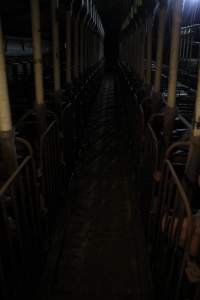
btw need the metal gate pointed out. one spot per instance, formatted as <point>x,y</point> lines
<point>20,233</point>
<point>172,236</point>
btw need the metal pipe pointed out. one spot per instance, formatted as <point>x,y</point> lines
<point>76,47</point>
<point>85,49</point>
<point>196,130</point>
<point>149,49</point>
<point>160,45</point>
<point>134,50</point>
<point>174,55</point>
<point>184,46</point>
<point>56,47</point>
<point>181,47</point>
<point>138,53</point>
<point>82,25</point>
<point>7,147</point>
<point>5,113</point>
<point>173,70</point>
<point>191,45</point>
<point>188,47</point>
<point>68,47</point>
<point>142,66</point>
<point>37,52</point>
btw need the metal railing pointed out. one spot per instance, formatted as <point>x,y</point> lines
<point>50,171</point>
<point>171,234</point>
<point>147,179</point>
<point>68,142</point>
<point>20,234</point>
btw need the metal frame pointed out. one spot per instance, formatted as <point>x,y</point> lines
<point>21,242</point>
<point>147,178</point>
<point>172,234</point>
<point>50,171</point>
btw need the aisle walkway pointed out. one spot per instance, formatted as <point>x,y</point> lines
<point>103,255</point>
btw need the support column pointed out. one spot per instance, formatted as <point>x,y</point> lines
<point>173,70</point>
<point>7,148</point>
<point>56,48</point>
<point>68,48</point>
<point>160,45</point>
<point>149,50</point>
<point>37,53</point>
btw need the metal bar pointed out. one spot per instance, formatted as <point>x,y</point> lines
<point>149,49</point>
<point>56,47</point>
<point>37,52</point>
<point>173,68</point>
<point>68,47</point>
<point>5,112</point>
<point>160,45</point>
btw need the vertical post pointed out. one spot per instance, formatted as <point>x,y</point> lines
<point>196,131</point>
<point>191,44</point>
<point>92,48</point>
<point>131,47</point>
<point>173,70</point>
<point>138,53</point>
<point>7,148</point>
<point>143,33</point>
<point>56,47</point>
<point>134,49</point>
<point>181,46</point>
<point>188,47</point>
<point>37,53</point>
<point>149,50</point>
<point>68,47</point>
<point>184,46</point>
<point>76,47</point>
<point>89,48</point>
<point>85,49</point>
<point>82,48</point>
<point>193,162</point>
<point>160,44</point>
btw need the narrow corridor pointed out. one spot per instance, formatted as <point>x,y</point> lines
<point>103,254</point>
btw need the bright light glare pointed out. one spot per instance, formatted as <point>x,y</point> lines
<point>190,1</point>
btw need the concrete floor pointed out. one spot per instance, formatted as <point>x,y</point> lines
<point>103,253</point>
